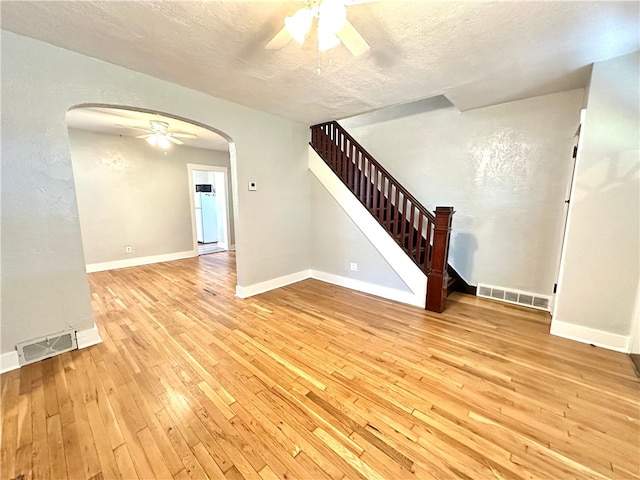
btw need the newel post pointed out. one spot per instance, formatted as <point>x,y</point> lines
<point>436,283</point>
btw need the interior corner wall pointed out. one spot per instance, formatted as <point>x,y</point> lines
<point>44,284</point>
<point>634,336</point>
<point>130,193</point>
<point>336,242</point>
<point>504,169</point>
<point>601,265</point>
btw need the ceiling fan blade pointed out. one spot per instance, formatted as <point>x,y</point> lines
<point>145,136</point>
<point>353,40</point>
<point>174,140</point>
<point>183,135</point>
<point>280,40</point>
<point>132,127</point>
<point>349,3</point>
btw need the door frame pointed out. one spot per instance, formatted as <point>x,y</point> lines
<point>192,204</point>
<point>567,211</point>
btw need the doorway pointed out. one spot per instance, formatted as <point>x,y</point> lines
<point>210,208</point>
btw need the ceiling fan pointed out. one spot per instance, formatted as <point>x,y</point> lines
<point>332,24</point>
<point>158,134</point>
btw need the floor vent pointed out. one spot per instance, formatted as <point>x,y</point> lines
<point>518,297</point>
<point>46,347</point>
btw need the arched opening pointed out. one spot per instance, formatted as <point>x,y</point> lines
<point>134,177</point>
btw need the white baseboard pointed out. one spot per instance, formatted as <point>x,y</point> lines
<point>359,285</point>
<point>88,337</point>
<point>256,288</point>
<point>370,288</point>
<point>137,261</point>
<point>9,361</point>
<point>600,338</point>
<point>85,338</point>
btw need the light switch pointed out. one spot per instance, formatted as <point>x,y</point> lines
<point>253,187</point>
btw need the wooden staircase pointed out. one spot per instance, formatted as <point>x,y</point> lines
<point>423,235</point>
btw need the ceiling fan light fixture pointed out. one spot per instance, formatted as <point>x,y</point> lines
<point>332,15</point>
<point>298,24</point>
<point>159,139</point>
<point>333,27</point>
<point>327,40</point>
<point>163,141</point>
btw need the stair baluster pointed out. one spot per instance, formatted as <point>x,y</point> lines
<point>411,225</point>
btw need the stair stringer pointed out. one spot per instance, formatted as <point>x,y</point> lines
<point>408,271</point>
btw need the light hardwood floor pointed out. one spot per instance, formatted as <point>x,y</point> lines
<point>315,381</point>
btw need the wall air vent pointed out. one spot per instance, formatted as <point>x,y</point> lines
<point>46,347</point>
<point>517,297</point>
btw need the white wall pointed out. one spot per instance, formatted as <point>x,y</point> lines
<point>130,193</point>
<point>634,336</point>
<point>503,168</point>
<point>201,177</point>
<point>601,265</point>
<point>337,242</point>
<point>44,285</point>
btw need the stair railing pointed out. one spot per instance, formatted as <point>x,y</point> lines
<point>424,236</point>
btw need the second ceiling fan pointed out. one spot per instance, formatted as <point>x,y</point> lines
<point>332,23</point>
<point>158,134</point>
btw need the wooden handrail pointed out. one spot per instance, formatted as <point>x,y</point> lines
<point>422,235</point>
<point>380,168</point>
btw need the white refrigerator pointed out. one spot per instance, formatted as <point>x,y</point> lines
<point>206,217</point>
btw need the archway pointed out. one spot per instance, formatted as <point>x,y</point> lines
<point>143,198</point>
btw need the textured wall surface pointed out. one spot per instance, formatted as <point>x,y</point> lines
<point>130,193</point>
<point>503,168</point>
<point>601,268</point>
<point>337,241</point>
<point>44,285</point>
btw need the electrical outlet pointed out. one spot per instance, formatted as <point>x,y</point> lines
<point>354,267</point>
<point>128,249</point>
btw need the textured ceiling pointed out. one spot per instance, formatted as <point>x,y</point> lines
<point>475,53</point>
<point>115,121</point>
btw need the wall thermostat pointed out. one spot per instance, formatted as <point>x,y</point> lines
<point>253,187</point>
